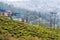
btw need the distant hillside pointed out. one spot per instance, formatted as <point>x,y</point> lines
<point>16,30</point>
<point>33,15</point>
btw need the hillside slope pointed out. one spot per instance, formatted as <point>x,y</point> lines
<point>23,31</point>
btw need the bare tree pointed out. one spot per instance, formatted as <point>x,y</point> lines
<point>27,17</point>
<point>39,18</point>
<point>52,19</point>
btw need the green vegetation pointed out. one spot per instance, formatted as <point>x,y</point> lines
<point>15,30</point>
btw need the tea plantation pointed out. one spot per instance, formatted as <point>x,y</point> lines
<point>16,30</point>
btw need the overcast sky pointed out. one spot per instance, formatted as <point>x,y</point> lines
<point>45,5</point>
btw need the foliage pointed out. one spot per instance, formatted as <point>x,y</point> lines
<point>23,31</point>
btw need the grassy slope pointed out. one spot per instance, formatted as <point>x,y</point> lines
<point>24,31</point>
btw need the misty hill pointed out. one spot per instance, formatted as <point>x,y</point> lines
<point>33,15</point>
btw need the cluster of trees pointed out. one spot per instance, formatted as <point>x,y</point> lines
<point>24,31</point>
<point>49,18</point>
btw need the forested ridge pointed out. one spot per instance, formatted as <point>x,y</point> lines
<point>16,30</point>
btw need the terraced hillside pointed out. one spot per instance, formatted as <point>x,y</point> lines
<point>15,30</point>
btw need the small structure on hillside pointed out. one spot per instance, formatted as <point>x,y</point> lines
<point>10,15</point>
<point>5,13</point>
<point>16,16</point>
<point>2,12</point>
